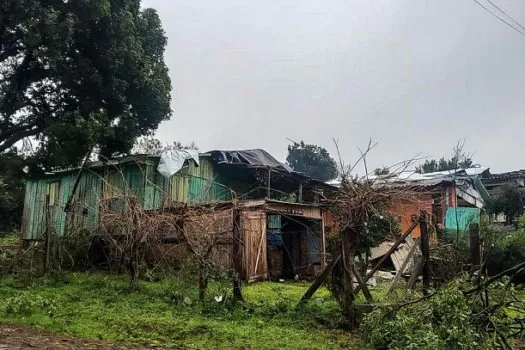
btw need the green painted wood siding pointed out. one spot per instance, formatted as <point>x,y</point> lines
<point>193,184</point>
<point>38,217</point>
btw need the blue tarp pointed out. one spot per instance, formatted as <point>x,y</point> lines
<point>274,237</point>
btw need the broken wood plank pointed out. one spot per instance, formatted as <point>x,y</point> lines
<point>362,283</point>
<point>318,282</point>
<point>390,251</point>
<point>401,270</point>
<point>416,272</point>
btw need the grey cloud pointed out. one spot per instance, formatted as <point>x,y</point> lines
<point>414,75</point>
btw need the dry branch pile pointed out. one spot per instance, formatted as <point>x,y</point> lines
<point>134,235</point>
<point>356,201</point>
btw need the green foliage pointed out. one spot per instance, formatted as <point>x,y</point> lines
<point>25,304</point>
<point>510,201</point>
<point>312,160</point>
<point>451,254</point>
<point>506,252</point>
<point>152,145</point>
<point>446,320</point>
<point>77,74</point>
<point>167,313</point>
<point>377,228</point>
<point>458,160</point>
<point>12,192</point>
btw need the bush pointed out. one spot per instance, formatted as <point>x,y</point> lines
<point>27,304</point>
<point>506,253</point>
<point>449,257</point>
<point>447,320</point>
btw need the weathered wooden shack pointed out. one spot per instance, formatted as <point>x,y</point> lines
<point>282,222</point>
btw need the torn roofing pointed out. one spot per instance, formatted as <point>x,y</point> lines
<point>256,158</point>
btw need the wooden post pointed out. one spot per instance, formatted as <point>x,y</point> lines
<point>47,257</point>
<point>350,237</point>
<point>268,187</point>
<point>323,242</point>
<point>318,282</point>
<point>475,251</point>
<point>237,256</point>
<point>67,207</point>
<point>300,197</point>
<point>425,251</point>
<point>362,283</point>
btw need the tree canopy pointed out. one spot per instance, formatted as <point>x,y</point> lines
<point>312,160</point>
<point>11,191</point>
<point>153,146</point>
<point>509,201</point>
<point>458,160</point>
<point>80,74</point>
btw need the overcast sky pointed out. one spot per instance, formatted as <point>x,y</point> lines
<point>414,75</point>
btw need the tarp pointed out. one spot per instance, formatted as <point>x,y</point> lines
<point>274,237</point>
<point>461,217</point>
<point>254,157</point>
<point>171,161</point>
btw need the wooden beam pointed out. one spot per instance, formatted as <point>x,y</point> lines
<point>401,270</point>
<point>323,242</point>
<point>237,255</point>
<point>47,256</point>
<point>475,252</point>
<point>416,271</point>
<point>425,251</point>
<point>362,283</point>
<point>318,282</point>
<point>67,206</point>
<point>387,255</point>
<point>268,187</point>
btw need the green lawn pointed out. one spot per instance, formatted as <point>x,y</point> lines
<point>166,312</point>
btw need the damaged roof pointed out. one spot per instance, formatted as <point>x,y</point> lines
<point>257,158</point>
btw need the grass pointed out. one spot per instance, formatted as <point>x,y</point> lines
<point>166,312</point>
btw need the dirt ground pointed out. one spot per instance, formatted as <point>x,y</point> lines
<point>24,338</point>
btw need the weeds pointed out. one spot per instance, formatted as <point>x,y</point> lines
<point>168,312</point>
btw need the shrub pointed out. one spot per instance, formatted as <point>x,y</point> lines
<point>506,253</point>
<point>449,319</point>
<point>27,304</point>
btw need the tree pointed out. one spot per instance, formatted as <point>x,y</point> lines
<point>510,201</point>
<point>459,160</point>
<point>79,74</point>
<point>312,160</point>
<point>153,146</point>
<point>11,191</point>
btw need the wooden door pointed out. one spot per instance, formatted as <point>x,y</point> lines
<point>254,232</point>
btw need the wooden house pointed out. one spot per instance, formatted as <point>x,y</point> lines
<point>281,222</point>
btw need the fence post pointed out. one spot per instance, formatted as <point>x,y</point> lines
<point>425,251</point>
<point>475,251</point>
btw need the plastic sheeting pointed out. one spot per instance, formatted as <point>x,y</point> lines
<point>254,157</point>
<point>274,237</point>
<point>172,161</point>
<point>461,217</point>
